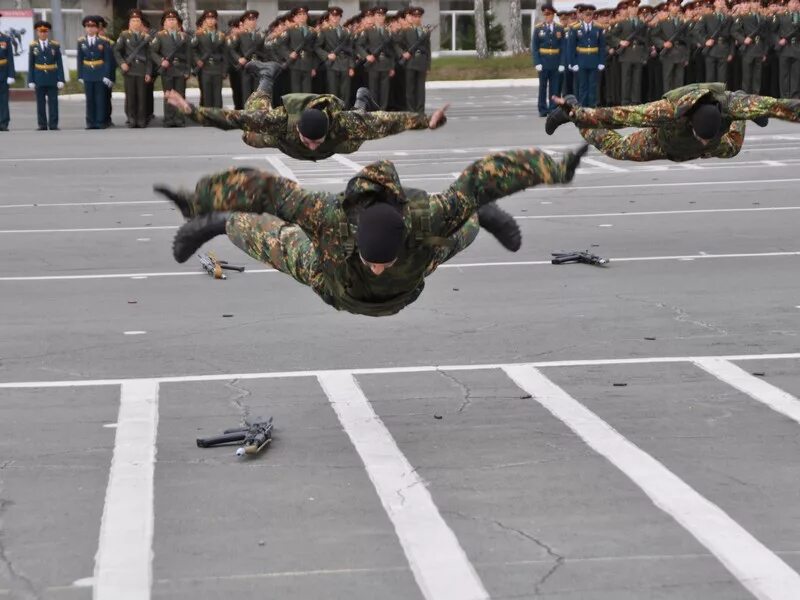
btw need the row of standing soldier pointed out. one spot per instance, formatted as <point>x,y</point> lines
<point>636,53</point>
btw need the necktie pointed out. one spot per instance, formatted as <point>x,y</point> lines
<point>172,33</point>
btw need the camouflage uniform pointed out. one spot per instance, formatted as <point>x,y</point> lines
<point>668,134</point>
<point>267,127</point>
<point>310,235</point>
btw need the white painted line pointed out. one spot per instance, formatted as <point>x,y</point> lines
<point>134,332</point>
<point>759,570</point>
<point>522,263</point>
<point>734,182</point>
<point>280,166</point>
<point>604,166</point>
<point>773,163</point>
<point>81,204</point>
<point>438,562</point>
<point>605,225</point>
<point>142,239</point>
<point>123,563</point>
<point>647,213</point>
<point>690,166</point>
<point>350,164</point>
<point>88,230</point>
<point>400,153</point>
<point>146,215</point>
<point>756,388</point>
<point>394,370</point>
<point>162,157</point>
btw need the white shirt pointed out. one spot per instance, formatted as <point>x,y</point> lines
<point>43,44</point>
<point>90,41</point>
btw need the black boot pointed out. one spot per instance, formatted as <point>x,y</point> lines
<point>501,225</point>
<point>572,160</point>
<point>364,100</point>
<point>181,199</point>
<point>760,121</point>
<point>197,232</point>
<point>266,73</point>
<point>560,115</point>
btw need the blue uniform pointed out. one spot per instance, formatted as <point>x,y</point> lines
<point>6,71</point>
<point>588,52</point>
<point>45,71</point>
<point>94,65</point>
<point>112,77</point>
<point>548,49</point>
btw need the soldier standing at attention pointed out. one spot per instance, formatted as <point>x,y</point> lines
<point>547,47</point>
<point>171,51</point>
<point>414,49</point>
<point>297,46</point>
<point>102,24</point>
<point>246,45</point>
<point>94,72</point>
<point>209,49</point>
<point>233,67</point>
<point>7,77</point>
<point>376,49</point>
<point>789,50</point>
<point>45,75</point>
<point>588,54</point>
<point>714,32</point>
<point>335,50</point>
<point>132,52</point>
<point>671,38</point>
<point>631,37</point>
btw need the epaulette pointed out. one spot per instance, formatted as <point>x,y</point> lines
<point>35,43</point>
<point>82,39</point>
<point>106,38</point>
<point>54,42</point>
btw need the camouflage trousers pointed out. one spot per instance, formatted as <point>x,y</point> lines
<point>258,100</point>
<point>289,250</point>
<point>645,144</point>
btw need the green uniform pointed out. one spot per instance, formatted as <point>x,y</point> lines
<point>311,235</point>
<point>175,48</point>
<point>417,42</point>
<point>674,59</point>
<point>752,55</point>
<point>267,127</point>
<point>377,42</point>
<point>209,50</point>
<point>631,59</point>
<point>302,40</point>
<point>667,132</point>
<point>133,49</point>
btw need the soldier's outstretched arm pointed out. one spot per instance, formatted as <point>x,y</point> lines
<point>264,121</point>
<point>652,114</point>
<point>498,175</point>
<point>743,106</point>
<point>252,191</point>
<point>364,126</point>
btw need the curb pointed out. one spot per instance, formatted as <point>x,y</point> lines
<point>194,93</point>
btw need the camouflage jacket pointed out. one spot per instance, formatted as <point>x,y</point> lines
<point>277,126</point>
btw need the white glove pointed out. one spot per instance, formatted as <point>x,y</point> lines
<point>574,68</point>
<point>601,67</point>
<point>107,82</point>
<point>560,68</point>
<point>10,80</point>
<point>538,68</point>
<point>60,85</point>
<point>80,81</point>
<point>32,86</point>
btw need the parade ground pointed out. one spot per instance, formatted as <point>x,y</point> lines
<point>523,430</point>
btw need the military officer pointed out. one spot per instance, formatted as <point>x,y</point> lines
<point>671,39</point>
<point>700,120</point>
<point>588,51</point>
<point>547,48</point>
<point>789,50</point>
<point>567,20</point>
<point>102,24</point>
<point>297,47</point>
<point>413,47</point>
<point>233,67</point>
<point>247,45</point>
<point>209,50</point>
<point>368,250</point>
<point>714,32</point>
<point>132,54</point>
<point>7,78</point>
<point>630,36</point>
<point>45,75</point>
<point>375,48</point>
<point>751,31</point>
<point>94,72</point>
<point>335,50</point>
<point>171,50</point>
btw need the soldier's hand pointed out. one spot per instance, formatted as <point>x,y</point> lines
<point>730,58</point>
<point>60,85</point>
<point>538,68</point>
<point>165,63</point>
<point>370,58</point>
<point>173,98</point>
<point>574,68</point>
<point>391,72</point>
<point>601,67</point>
<point>124,67</point>
<point>32,86</point>
<point>782,42</point>
<point>611,51</point>
<point>80,81</point>
<point>709,43</point>
<point>313,72</point>
<point>351,72</point>
<point>242,61</point>
<point>331,56</point>
<point>199,64</point>
<point>667,44</point>
<point>293,55</point>
<point>748,41</point>
<point>561,68</point>
<point>439,118</point>
<point>10,80</point>
<point>624,43</point>
<point>406,56</point>
<point>147,79</point>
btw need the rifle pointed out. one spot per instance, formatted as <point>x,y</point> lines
<point>795,33</point>
<point>714,36</point>
<point>214,267</point>
<point>672,38</point>
<point>341,46</point>
<point>585,257</point>
<point>416,45</point>
<point>135,52</point>
<point>753,34</point>
<point>254,437</point>
<point>203,59</point>
<point>384,46</point>
<point>171,56</point>
<point>301,47</point>
<point>621,50</point>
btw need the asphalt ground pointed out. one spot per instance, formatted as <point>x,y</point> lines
<point>522,431</point>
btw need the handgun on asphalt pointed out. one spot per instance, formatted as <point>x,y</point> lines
<point>253,438</point>
<point>214,267</point>
<point>559,258</point>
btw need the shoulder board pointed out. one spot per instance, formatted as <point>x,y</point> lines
<point>162,31</point>
<point>221,35</point>
<point>54,42</point>
<point>106,38</point>
<point>35,43</point>
<point>82,39</point>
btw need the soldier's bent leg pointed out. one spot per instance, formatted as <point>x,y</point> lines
<point>258,100</point>
<point>747,106</point>
<point>282,245</point>
<point>240,189</point>
<point>460,241</point>
<point>640,146</point>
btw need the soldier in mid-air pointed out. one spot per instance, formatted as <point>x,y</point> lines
<point>307,126</point>
<point>701,120</point>
<point>366,251</point>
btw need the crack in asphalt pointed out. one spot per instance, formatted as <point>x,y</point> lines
<point>465,390</point>
<point>22,588</point>
<point>244,410</point>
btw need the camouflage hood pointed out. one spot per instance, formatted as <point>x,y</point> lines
<point>378,179</point>
<point>685,98</point>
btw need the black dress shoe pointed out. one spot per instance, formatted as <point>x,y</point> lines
<point>41,128</point>
<point>572,160</point>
